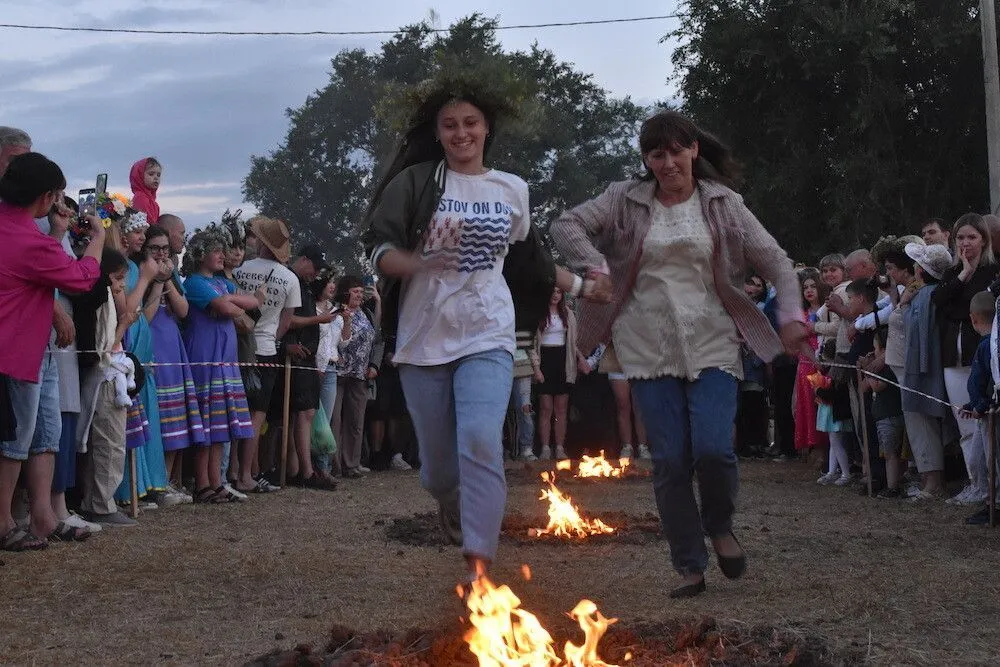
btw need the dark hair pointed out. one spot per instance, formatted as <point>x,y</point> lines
<point>28,177</point>
<point>868,289</point>
<point>942,225</point>
<point>900,260</point>
<point>155,232</point>
<point>983,304</point>
<point>317,286</point>
<point>420,144</point>
<point>672,130</point>
<point>344,287</point>
<point>752,278</point>
<point>112,261</point>
<point>822,289</point>
<point>563,309</point>
<point>151,162</point>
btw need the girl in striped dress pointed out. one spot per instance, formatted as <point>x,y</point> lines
<point>210,336</point>
<point>180,415</point>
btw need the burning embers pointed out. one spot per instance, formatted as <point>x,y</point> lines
<point>596,467</point>
<point>564,518</point>
<point>501,634</point>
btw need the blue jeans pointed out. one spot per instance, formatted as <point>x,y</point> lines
<point>458,410</point>
<point>520,396</point>
<point>690,427</point>
<point>327,399</point>
<point>36,408</point>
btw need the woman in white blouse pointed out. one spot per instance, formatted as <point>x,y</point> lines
<point>556,363</point>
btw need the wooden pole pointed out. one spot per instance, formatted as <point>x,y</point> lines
<point>991,76</point>
<point>134,484</point>
<point>865,445</point>
<point>991,461</point>
<point>286,411</point>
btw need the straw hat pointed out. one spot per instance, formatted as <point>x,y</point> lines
<point>273,234</point>
<point>934,259</point>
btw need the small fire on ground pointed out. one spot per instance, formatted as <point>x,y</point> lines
<point>596,466</point>
<point>564,518</point>
<point>504,635</point>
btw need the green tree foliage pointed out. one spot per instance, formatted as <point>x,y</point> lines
<point>570,140</point>
<point>854,118</point>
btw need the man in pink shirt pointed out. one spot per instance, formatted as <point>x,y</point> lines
<point>32,266</point>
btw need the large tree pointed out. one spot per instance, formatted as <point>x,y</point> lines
<point>854,118</point>
<point>571,140</point>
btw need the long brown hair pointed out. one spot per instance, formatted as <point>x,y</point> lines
<point>563,311</point>
<point>670,130</point>
<point>809,273</point>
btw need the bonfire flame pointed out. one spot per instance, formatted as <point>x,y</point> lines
<point>564,517</point>
<point>598,466</point>
<point>503,635</point>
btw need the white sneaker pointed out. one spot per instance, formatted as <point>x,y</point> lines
<point>644,452</point>
<point>912,490</point>
<point>627,452</point>
<point>184,496</point>
<point>363,470</point>
<point>844,480</point>
<point>976,497</point>
<point>527,454</point>
<point>962,497</point>
<point>923,495</point>
<point>828,478</point>
<point>399,464</point>
<point>233,490</point>
<point>77,521</point>
<point>559,453</point>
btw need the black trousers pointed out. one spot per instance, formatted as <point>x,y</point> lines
<point>783,387</point>
<point>751,422</point>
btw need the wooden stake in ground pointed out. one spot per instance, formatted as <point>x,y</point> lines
<point>991,461</point>
<point>284,416</point>
<point>134,485</point>
<point>863,415</point>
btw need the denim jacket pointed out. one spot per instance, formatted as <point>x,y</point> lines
<point>980,379</point>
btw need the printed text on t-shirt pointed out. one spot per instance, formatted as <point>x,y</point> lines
<point>471,235</point>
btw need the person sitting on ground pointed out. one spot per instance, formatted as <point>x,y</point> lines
<point>982,311</point>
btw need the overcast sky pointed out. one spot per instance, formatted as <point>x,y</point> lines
<point>204,105</point>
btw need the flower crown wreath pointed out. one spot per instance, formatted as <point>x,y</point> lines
<point>136,221</point>
<point>111,207</point>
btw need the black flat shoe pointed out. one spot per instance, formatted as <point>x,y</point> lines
<point>688,591</point>
<point>732,566</point>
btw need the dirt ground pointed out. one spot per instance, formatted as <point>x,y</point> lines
<point>885,581</point>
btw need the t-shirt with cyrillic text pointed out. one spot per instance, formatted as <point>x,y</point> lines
<point>282,287</point>
<point>466,309</point>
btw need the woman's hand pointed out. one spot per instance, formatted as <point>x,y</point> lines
<point>403,264</point>
<point>149,269</point>
<point>582,365</point>
<point>597,288</point>
<point>967,268</point>
<point>260,295</point>
<point>539,378</point>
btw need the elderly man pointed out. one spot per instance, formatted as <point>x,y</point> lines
<point>13,142</point>
<point>175,233</point>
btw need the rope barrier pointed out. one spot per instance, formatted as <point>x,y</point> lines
<point>157,364</point>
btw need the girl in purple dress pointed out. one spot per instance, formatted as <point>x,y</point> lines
<point>210,336</point>
<point>165,304</point>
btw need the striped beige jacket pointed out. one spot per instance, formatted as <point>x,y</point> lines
<point>612,228</point>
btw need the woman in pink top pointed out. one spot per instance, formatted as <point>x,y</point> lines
<point>145,181</point>
<point>32,266</point>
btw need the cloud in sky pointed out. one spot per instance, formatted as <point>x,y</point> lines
<point>204,105</point>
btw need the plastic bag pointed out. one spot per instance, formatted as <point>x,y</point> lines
<point>322,438</point>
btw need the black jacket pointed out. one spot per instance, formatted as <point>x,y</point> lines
<point>952,299</point>
<point>400,218</point>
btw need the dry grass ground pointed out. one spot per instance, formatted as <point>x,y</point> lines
<point>889,581</point>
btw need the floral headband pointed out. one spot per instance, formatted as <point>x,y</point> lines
<point>135,222</point>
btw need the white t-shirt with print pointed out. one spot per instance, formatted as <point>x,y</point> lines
<point>450,314</point>
<point>282,287</point>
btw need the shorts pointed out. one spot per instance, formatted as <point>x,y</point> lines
<point>553,365</point>
<point>306,385</point>
<point>260,399</point>
<point>890,435</point>
<point>36,410</point>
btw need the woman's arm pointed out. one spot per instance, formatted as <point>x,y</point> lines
<point>152,303</point>
<point>576,230</point>
<point>178,302</point>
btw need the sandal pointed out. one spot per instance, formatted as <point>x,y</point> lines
<point>319,482</point>
<point>204,496</point>
<point>67,533</point>
<point>22,539</point>
<point>224,495</point>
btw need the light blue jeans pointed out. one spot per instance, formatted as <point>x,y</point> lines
<point>36,408</point>
<point>327,399</point>
<point>458,410</point>
<point>520,396</point>
<point>690,427</point>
